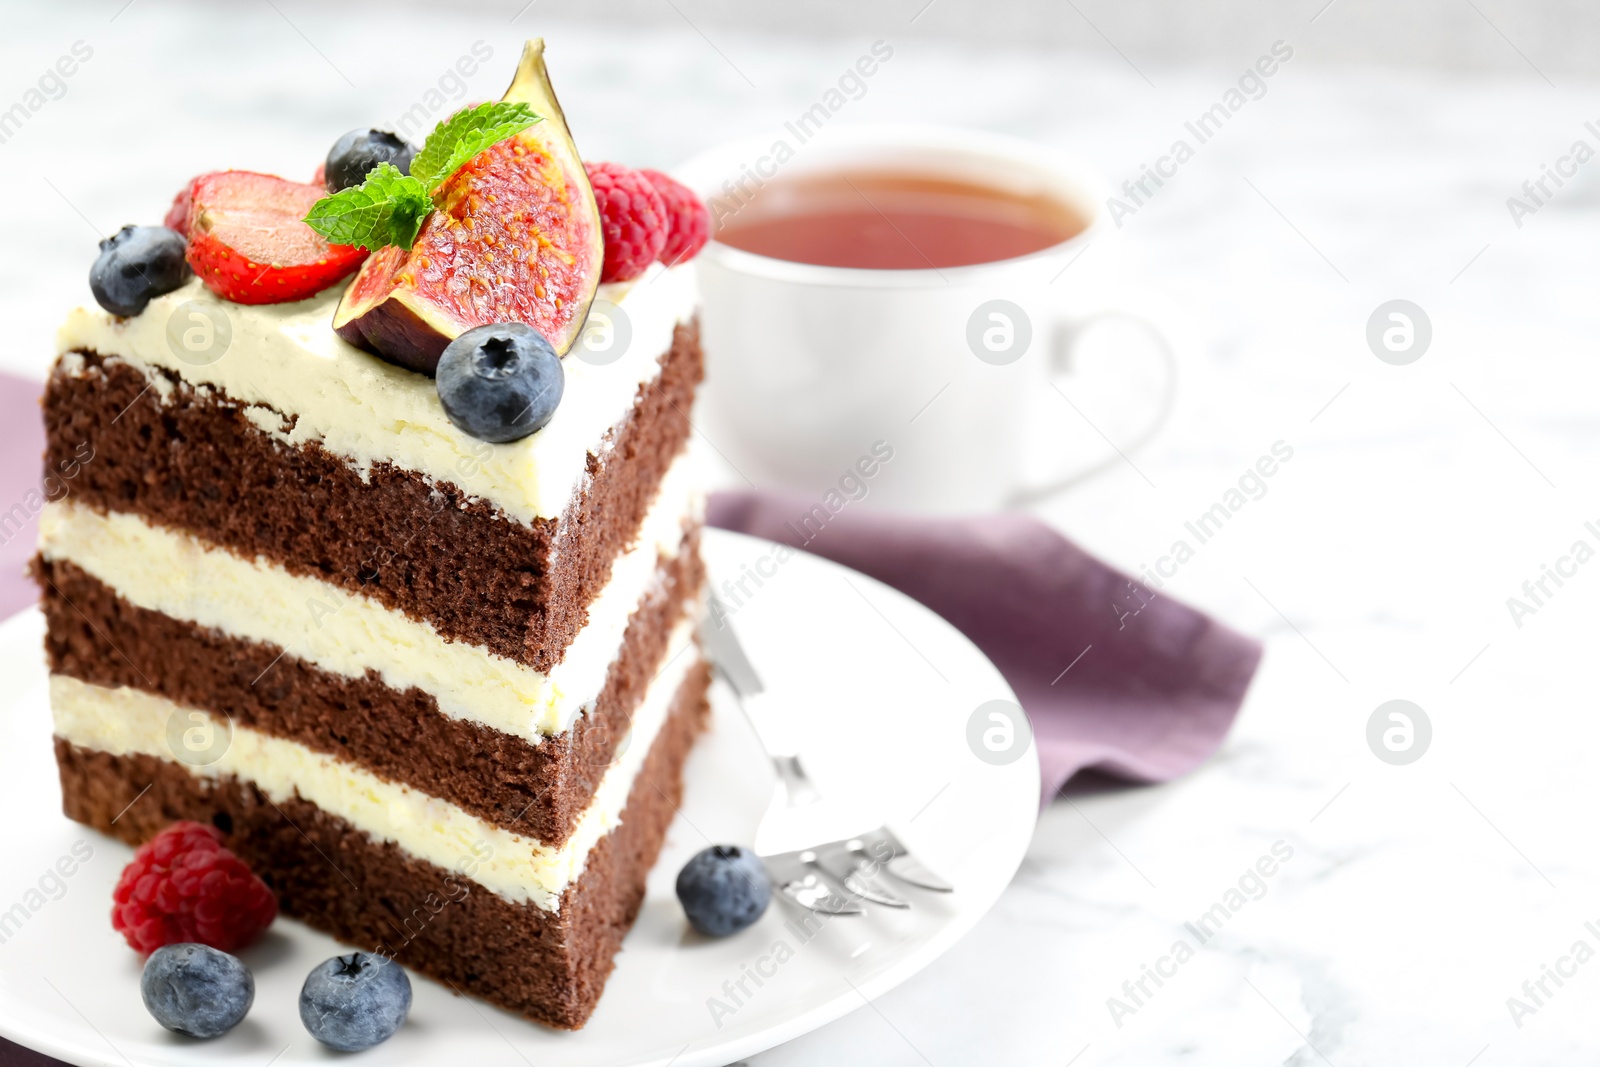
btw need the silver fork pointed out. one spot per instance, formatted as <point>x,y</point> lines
<point>814,849</point>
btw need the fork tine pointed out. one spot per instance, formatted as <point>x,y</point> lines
<point>812,893</point>
<point>900,862</point>
<point>908,868</point>
<point>856,873</point>
<point>802,883</point>
<point>851,863</point>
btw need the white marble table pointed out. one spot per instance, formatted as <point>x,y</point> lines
<point>1418,898</point>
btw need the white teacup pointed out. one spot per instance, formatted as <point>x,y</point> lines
<point>964,376</point>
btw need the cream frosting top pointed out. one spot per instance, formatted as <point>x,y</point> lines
<point>303,383</point>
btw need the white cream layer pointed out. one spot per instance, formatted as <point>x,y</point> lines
<point>129,721</point>
<point>347,633</point>
<point>286,361</point>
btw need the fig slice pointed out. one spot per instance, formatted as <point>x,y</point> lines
<point>516,237</point>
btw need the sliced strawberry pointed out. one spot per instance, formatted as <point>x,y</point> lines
<point>178,214</point>
<point>249,243</point>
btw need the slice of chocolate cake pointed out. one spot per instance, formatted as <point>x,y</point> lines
<point>436,691</point>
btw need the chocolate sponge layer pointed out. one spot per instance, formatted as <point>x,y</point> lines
<point>550,967</point>
<point>537,790</point>
<point>190,460</point>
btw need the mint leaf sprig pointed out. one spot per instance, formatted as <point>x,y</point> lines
<point>465,134</point>
<point>386,209</point>
<point>389,208</point>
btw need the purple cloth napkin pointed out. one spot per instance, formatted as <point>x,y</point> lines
<point>17,1056</point>
<point>21,464</point>
<point>1114,677</point>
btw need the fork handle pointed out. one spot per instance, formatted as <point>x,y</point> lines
<point>772,725</point>
<point>797,787</point>
<point>777,738</point>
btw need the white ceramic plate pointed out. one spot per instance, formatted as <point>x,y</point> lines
<point>886,688</point>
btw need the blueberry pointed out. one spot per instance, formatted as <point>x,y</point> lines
<point>135,264</point>
<point>723,890</point>
<point>355,154</point>
<point>196,990</point>
<point>356,1001</point>
<point>500,382</point>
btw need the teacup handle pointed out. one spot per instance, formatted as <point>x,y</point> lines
<point>1069,331</point>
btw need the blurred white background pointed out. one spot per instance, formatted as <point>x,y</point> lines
<point>1378,166</point>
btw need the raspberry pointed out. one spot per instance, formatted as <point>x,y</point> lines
<point>633,218</point>
<point>183,886</point>
<point>688,221</point>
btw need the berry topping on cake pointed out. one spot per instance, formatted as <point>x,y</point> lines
<point>196,990</point>
<point>688,221</point>
<point>178,214</point>
<point>634,216</point>
<point>495,223</point>
<point>184,886</point>
<point>249,244</point>
<point>358,153</point>
<point>500,383</point>
<point>136,264</point>
<point>723,890</point>
<point>353,1002</point>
